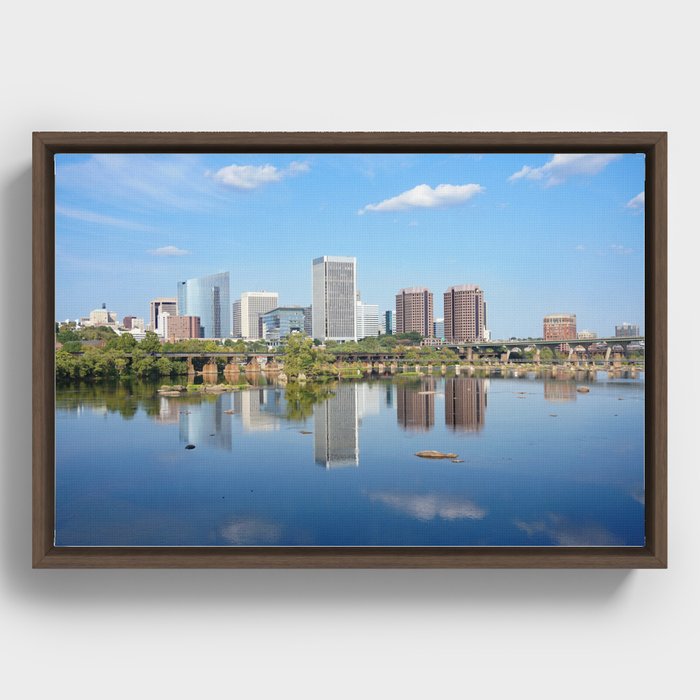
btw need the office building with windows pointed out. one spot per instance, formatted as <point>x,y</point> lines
<point>560,327</point>
<point>334,289</point>
<point>180,327</point>
<point>627,330</point>
<point>367,320</point>
<point>282,321</point>
<point>248,310</point>
<point>207,297</point>
<point>388,323</point>
<point>465,313</point>
<point>439,328</point>
<point>160,306</point>
<point>414,311</point>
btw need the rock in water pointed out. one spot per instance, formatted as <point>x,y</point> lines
<point>435,454</point>
<point>582,389</point>
<point>189,447</point>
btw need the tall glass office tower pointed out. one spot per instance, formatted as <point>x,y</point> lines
<point>207,297</point>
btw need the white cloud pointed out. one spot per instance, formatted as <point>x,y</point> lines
<point>637,202</point>
<point>424,196</point>
<point>253,531</point>
<point>94,218</point>
<point>431,506</point>
<point>248,177</point>
<point>580,248</point>
<point>621,250</point>
<point>567,534</point>
<point>563,165</point>
<point>138,182</point>
<point>169,251</point>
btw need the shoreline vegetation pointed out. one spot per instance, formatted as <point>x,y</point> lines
<point>95,354</point>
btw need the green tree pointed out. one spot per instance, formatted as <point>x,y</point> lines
<point>151,343</point>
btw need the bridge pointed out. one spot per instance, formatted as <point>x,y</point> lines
<point>504,350</point>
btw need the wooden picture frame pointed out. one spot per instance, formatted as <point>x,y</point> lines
<point>652,555</point>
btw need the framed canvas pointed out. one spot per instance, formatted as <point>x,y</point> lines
<point>349,350</point>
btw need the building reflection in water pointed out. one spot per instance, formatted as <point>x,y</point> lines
<point>168,410</point>
<point>465,403</point>
<point>336,428</point>
<point>206,423</point>
<point>260,409</point>
<point>369,400</point>
<point>415,405</point>
<point>559,390</point>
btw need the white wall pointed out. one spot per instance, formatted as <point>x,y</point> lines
<point>363,65</point>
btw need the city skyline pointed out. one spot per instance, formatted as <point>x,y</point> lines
<point>539,234</point>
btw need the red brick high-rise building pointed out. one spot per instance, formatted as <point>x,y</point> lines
<point>414,311</point>
<point>465,313</point>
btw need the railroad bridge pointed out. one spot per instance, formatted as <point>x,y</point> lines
<point>500,350</point>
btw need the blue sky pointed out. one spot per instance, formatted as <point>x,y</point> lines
<point>539,233</point>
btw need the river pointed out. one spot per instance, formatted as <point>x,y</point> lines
<point>539,463</point>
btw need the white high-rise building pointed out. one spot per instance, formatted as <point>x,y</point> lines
<point>366,320</point>
<point>252,306</point>
<point>334,309</point>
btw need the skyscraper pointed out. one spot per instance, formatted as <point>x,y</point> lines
<point>251,307</point>
<point>236,328</point>
<point>414,311</point>
<point>465,313</point>
<point>367,320</point>
<point>160,306</point>
<point>334,281</point>
<point>208,298</point>
<point>389,322</point>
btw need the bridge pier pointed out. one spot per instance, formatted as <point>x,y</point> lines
<point>232,371</point>
<point>210,371</point>
<point>537,357</point>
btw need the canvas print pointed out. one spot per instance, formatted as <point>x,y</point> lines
<point>350,350</point>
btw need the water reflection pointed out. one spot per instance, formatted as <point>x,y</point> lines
<point>415,405</point>
<point>336,429</point>
<point>559,390</point>
<point>260,409</point>
<point>430,506</point>
<point>465,403</point>
<point>337,409</point>
<point>207,424</point>
<point>254,477</point>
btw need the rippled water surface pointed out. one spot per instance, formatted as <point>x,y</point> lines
<point>538,464</point>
